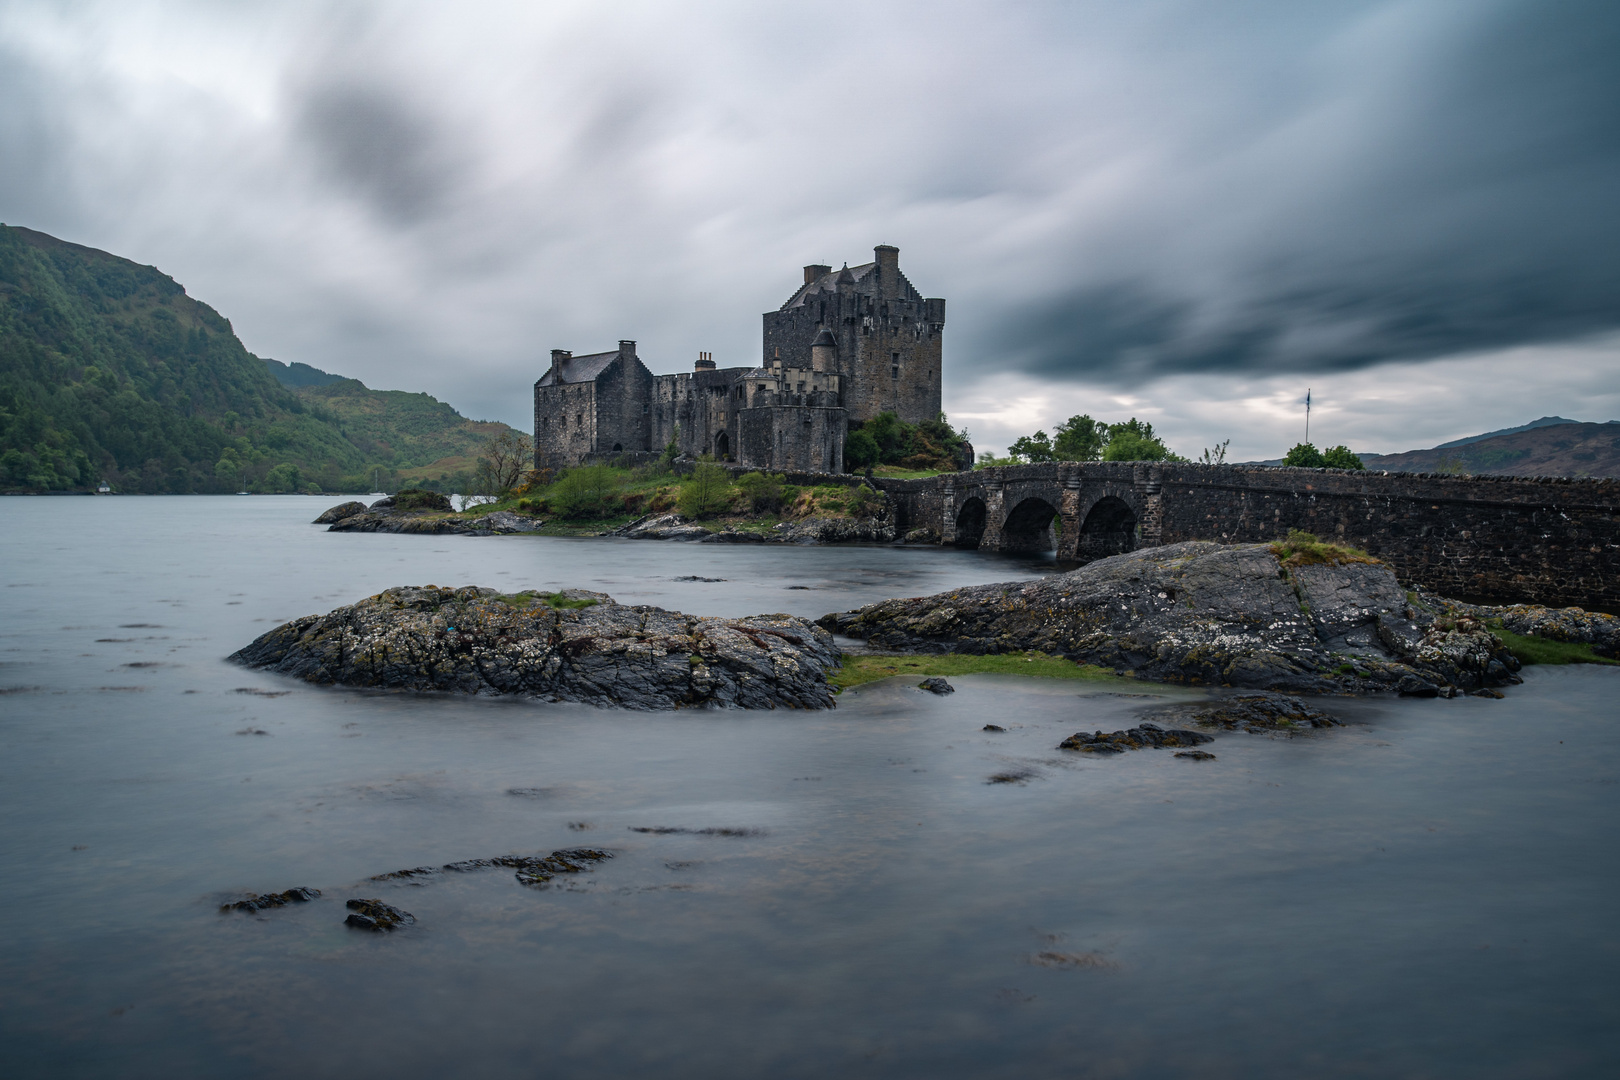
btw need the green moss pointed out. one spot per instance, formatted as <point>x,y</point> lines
<point>864,668</point>
<point>1540,650</point>
<point>1303,548</point>
<point>554,600</point>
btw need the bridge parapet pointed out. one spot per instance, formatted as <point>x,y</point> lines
<point>1499,538</point>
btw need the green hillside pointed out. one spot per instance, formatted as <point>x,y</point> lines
<point>109,371</point>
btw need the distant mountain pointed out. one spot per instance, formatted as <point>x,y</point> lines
<point>1568,448</point>
<point>1545,421</point>
<point>109,371</point>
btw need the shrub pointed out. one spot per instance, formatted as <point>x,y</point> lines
<point>586,492</point>
<point>706,493</point>
<point>763,490</point>
<point>421,499</point>
<point>860,450</point>
<point>1305,456</point>
<point>1134,441</point>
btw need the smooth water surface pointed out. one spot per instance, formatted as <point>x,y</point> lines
<point>1427,892</point>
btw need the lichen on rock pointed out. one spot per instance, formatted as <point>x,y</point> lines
<point>574,645</point>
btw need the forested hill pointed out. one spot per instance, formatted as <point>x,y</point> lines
<point>109,371</point>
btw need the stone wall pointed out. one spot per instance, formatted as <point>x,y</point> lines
<point>805,438</point>
<point>1501,539</point>
<point>564,424</point>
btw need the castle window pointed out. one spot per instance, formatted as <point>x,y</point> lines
<point>894,366</point>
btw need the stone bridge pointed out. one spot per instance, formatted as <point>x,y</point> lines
<point>1489,538</point>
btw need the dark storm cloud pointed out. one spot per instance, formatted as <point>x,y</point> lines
<point>1471,205</point>
<point>376,146</point>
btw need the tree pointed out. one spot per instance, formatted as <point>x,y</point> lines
<point>1079,438</point>
<point>1304,456</point>
<point>1134,441</point>
<point>1032,448</point>
<point>706,493</point>
<point>1217,456</point>
<point>860,450</point>
<point>505,460</point>
<point>1340,457</point>
<point>586,492</point>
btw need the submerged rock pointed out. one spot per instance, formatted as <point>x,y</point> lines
<point>1253,713</point>
<point>1143,737</point>
<point>936,685</point>
<point>574,645</point>
<point>531,869</point>
<point>298,894</point>
<point>1204,614</point>
<point>376,915</point>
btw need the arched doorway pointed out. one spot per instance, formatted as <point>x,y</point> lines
<point>722,447</point>
<point>970,523</point>
<point>1029,526</point>
<point>618,448</point>
<point>1109,529</point>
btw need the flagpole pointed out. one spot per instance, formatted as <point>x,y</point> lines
<point>1307,414</point>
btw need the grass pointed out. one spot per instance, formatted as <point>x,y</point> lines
<point>554,600</point>
<point>1540,650</point>
<point>1303,549</point>
<point>895,472</point>
<point>864,668</point>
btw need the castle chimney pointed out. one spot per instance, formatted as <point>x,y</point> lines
<point>627,348</point>
<point>888,268</point>
<point>705,362</point>
<point>815,270</point>
<point>824,352</point>
<point>558,358</point>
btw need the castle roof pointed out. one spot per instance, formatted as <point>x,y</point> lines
<point>579,369</point>
<point>824,338</point>
<point>828,282</point>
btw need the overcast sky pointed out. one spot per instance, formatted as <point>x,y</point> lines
<point>1184,211</point>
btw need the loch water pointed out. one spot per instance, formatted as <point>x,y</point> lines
<point>1429,891</point>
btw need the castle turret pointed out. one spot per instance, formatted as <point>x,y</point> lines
<point>824,352</point>
<point>888,268</point>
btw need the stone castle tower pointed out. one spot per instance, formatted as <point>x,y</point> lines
<point>845,347</point>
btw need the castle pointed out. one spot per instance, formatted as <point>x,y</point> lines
<point>845,347</point>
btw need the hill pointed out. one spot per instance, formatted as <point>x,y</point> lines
<point>1565,449</point>
<point>109,371</point>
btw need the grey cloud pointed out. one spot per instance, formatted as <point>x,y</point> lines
<point>1476,211</point>
<point>380,148</point>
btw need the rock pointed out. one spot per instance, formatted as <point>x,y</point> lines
<point>503,522</point>
<point>922,536</point>
<point>1201,613</point>
<point>1574,624</point>
<point>376,915</point>
<point>1196,755</point>
<point>1146,736</point>
<point>661,527</point>
<point>296,895</point>
<point>936,685</point>
<point>570,646</point>
<point>732,535</point>
<point>531,869</point>
<point>992,727</point>
<point>823,530</point>
<point>1416,686</point>
<point>339,512</point>
<point>1253,713</point>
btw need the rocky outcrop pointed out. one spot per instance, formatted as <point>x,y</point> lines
<point>376,915</point>
<point>1143,737</point>
<point>530,869</point>
<point>569,646</point>
<point>1205,614</point>
<point>339,512</point>
<point>1574,624</point>
<point>826,530</point>
<point>424,513</point>
<point>811,530</point>
<point>298,894</point>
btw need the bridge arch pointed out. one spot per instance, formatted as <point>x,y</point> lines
<point>1108,528</point>
<point>1029,526</point>
<point>970,522</point>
